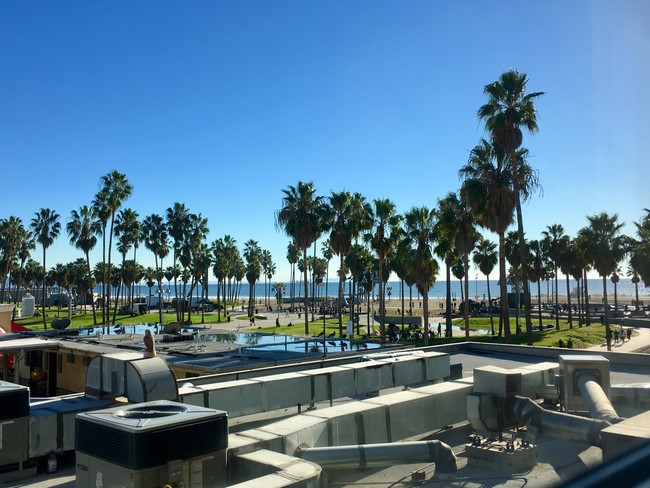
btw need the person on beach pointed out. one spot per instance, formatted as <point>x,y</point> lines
<point>149,344</point>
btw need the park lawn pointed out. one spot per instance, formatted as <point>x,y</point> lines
<point>81,319</point>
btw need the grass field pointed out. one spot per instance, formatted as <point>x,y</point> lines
<point>581,337</point>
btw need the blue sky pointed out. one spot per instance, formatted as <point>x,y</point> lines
<point>221,104</point>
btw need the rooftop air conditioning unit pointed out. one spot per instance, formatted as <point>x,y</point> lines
<point>152,444</point>
<point>14,423</point>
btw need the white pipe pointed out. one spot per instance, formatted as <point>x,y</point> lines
<point>373,455</point>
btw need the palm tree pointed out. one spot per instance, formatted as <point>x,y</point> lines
<point>350,216</point>
<point>301,219</point>
<point>293,256</point>
<point>488,189</point>
<point>554,244</point>
<point>537,271</point>
<point>486,258</point>
<point>268,270</point>
<point>508,110</point>
<point>46,227</point>
<point>253,256</point>
<point>382,239</point>
<point>640,251</point>
<point>155,237</point>
<point>634,277</point>
<point>83,229</point>
<point>115,190</point>
<point>13,238</point>
<point>25,246</point>
<point>178,217</point>
<point>278,289</point>
<point>568,259</point>
<point>606,248</point>
<point>420,226</point>
<point>459,221</point>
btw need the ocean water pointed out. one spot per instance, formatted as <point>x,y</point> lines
<point>477,289</point>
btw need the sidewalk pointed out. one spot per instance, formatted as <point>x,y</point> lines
<point>640,341</point>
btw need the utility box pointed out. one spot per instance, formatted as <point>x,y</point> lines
<point>572,368</point>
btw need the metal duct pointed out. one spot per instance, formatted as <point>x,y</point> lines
<point>596,400</point>
<point>373,455</point>
<point>555,424</point>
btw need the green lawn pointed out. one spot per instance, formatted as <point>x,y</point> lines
<point>582,337</point>
<point>81,319</point>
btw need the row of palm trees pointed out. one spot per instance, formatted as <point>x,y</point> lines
<point>370,239</point>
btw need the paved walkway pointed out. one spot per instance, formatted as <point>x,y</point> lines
<point>640,341</point>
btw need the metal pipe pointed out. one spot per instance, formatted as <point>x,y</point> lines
<point>596,400</point>
<point>556,424</point>
<point>372,455</point>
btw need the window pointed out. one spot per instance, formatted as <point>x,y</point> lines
<point>70,357</point>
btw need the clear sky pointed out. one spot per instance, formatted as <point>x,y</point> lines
<point>221,104</point>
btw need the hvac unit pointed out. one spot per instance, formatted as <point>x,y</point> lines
<point>14,423</point>
<point>152,444</point>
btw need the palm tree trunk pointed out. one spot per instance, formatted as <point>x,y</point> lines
<point>382,328</point>
<point>425,310</point>
<point>43,293</point>
<point>306,284</point>
<point>448,324</point>
<point>568,298</point>
<point>586,292</point>
<point>557,304</point>
<point>466,307</point>
<point>539,302</point>
<point>524,268</point>
<point>92,301</point>
<point>505,319</point>
<point>340,296</point>
<point>608,333</point>
<point>402,306</point>
<point>487,279</point>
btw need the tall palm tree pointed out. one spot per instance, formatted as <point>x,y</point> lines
<point>634,278</point>
<point>382,239</point>
<point>115,190</point>
<point>253,256</point>
<point>568,258</point>
<point>420,227</point>
<point>554,243</point>
<point>268,270</point>
<point>640,250</point>
<point>293,256</point>
<point>13,238</point>
<point>537,271</point>
<point>459,221</point>
<point>486,258</point>
<point>178,217</point>
<point>155,237</point>
<point>606,248</point>
<point>301,218</point>
<point>83,227</point>
<point>350,215</point>
<point>26,245</point>
<point>46,227</point>
<point>487,187</point>
<point>508,110</point>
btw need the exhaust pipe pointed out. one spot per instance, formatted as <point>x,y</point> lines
<point>556,424</point>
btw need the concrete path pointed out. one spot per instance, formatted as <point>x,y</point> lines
<point>640,341</point>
